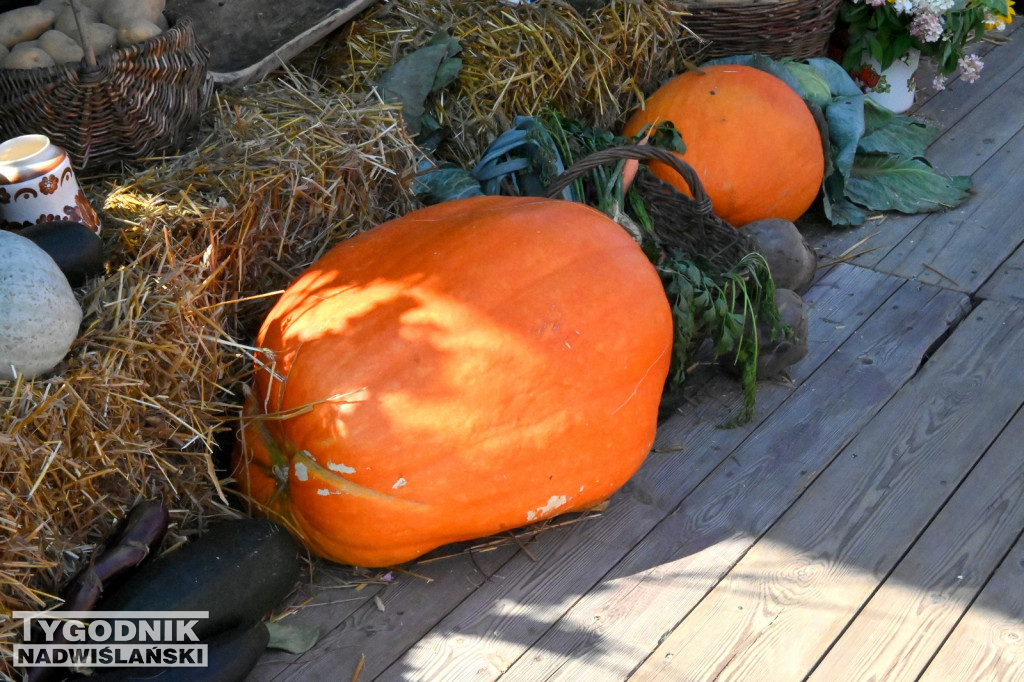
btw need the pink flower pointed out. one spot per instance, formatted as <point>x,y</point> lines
<point>970,67</point>
<point>926,27</point>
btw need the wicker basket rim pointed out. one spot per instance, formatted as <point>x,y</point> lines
<point>638,152</point>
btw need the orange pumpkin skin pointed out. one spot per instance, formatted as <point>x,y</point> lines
<point>471,367</point>
<point>751,139</point>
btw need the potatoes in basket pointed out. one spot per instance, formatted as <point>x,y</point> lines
<point>135,31</point>
<point>62,47</point>
<point>28,55</point>
<point>108,25</point>
<point>66,23</point>
<point>24,23</point>
<point>102,37</point>
<point>118,13</point>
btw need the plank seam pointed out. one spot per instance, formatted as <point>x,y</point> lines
<point>970,605</point>
<point>951,324</point>
<point>910,547</point>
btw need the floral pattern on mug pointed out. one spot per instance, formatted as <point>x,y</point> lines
<point>5,197</point>
<point>48,184</point>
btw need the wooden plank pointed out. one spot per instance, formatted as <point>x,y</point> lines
<point>966,110</point>
<point>977,120</point>
<point>988,644</point>
<point>333,599</point>
<point>962,247</point>
<point>493,626</point>
<point>897,633</point>
<point>783,604</point>
<point>325,597</point>
<point>616,625</point>
<point>1007,283</point>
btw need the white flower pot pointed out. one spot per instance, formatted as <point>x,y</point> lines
<point>896,86</point>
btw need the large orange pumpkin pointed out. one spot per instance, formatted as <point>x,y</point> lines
<point>751,139</point>
<point>468,368</point>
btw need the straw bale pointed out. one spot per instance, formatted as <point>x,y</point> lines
<point>517,59</point>
<point>199,246</point>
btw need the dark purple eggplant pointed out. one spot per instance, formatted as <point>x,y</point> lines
<point>231,656</point>
<point>238,571</point>
<point>138,536</point>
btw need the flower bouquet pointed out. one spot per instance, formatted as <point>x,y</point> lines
<point>888,30</point>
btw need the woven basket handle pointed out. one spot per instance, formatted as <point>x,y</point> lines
<point>640,152</point>
<point>90,54</point>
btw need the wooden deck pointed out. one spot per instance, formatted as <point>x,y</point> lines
<point>867,525</point>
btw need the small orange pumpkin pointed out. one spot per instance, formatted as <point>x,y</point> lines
<point>468,368</point>
<point>751,139</point>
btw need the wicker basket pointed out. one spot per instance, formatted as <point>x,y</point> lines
<point>131,103</point>
<point>679,222</point>
<point>784,28</point>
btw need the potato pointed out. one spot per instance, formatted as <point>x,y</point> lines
<point>27,45</point>
<point>58,5</point>
<point>28,58</point>
<point>3,52</point>
<point>163,22</point>
<point>61,47</point>
<point>66,24</point>
<point>24,23</point>
<point>118,13</point>
<point>102,37</point>
<point>55,6</point>
<point>135,31</point>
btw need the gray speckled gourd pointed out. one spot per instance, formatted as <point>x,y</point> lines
<point>39,314</point>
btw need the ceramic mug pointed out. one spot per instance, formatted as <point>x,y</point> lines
<point>38,185</point>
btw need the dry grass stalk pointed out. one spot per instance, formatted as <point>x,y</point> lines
<point>517,59</point>
<point>149,388</point>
